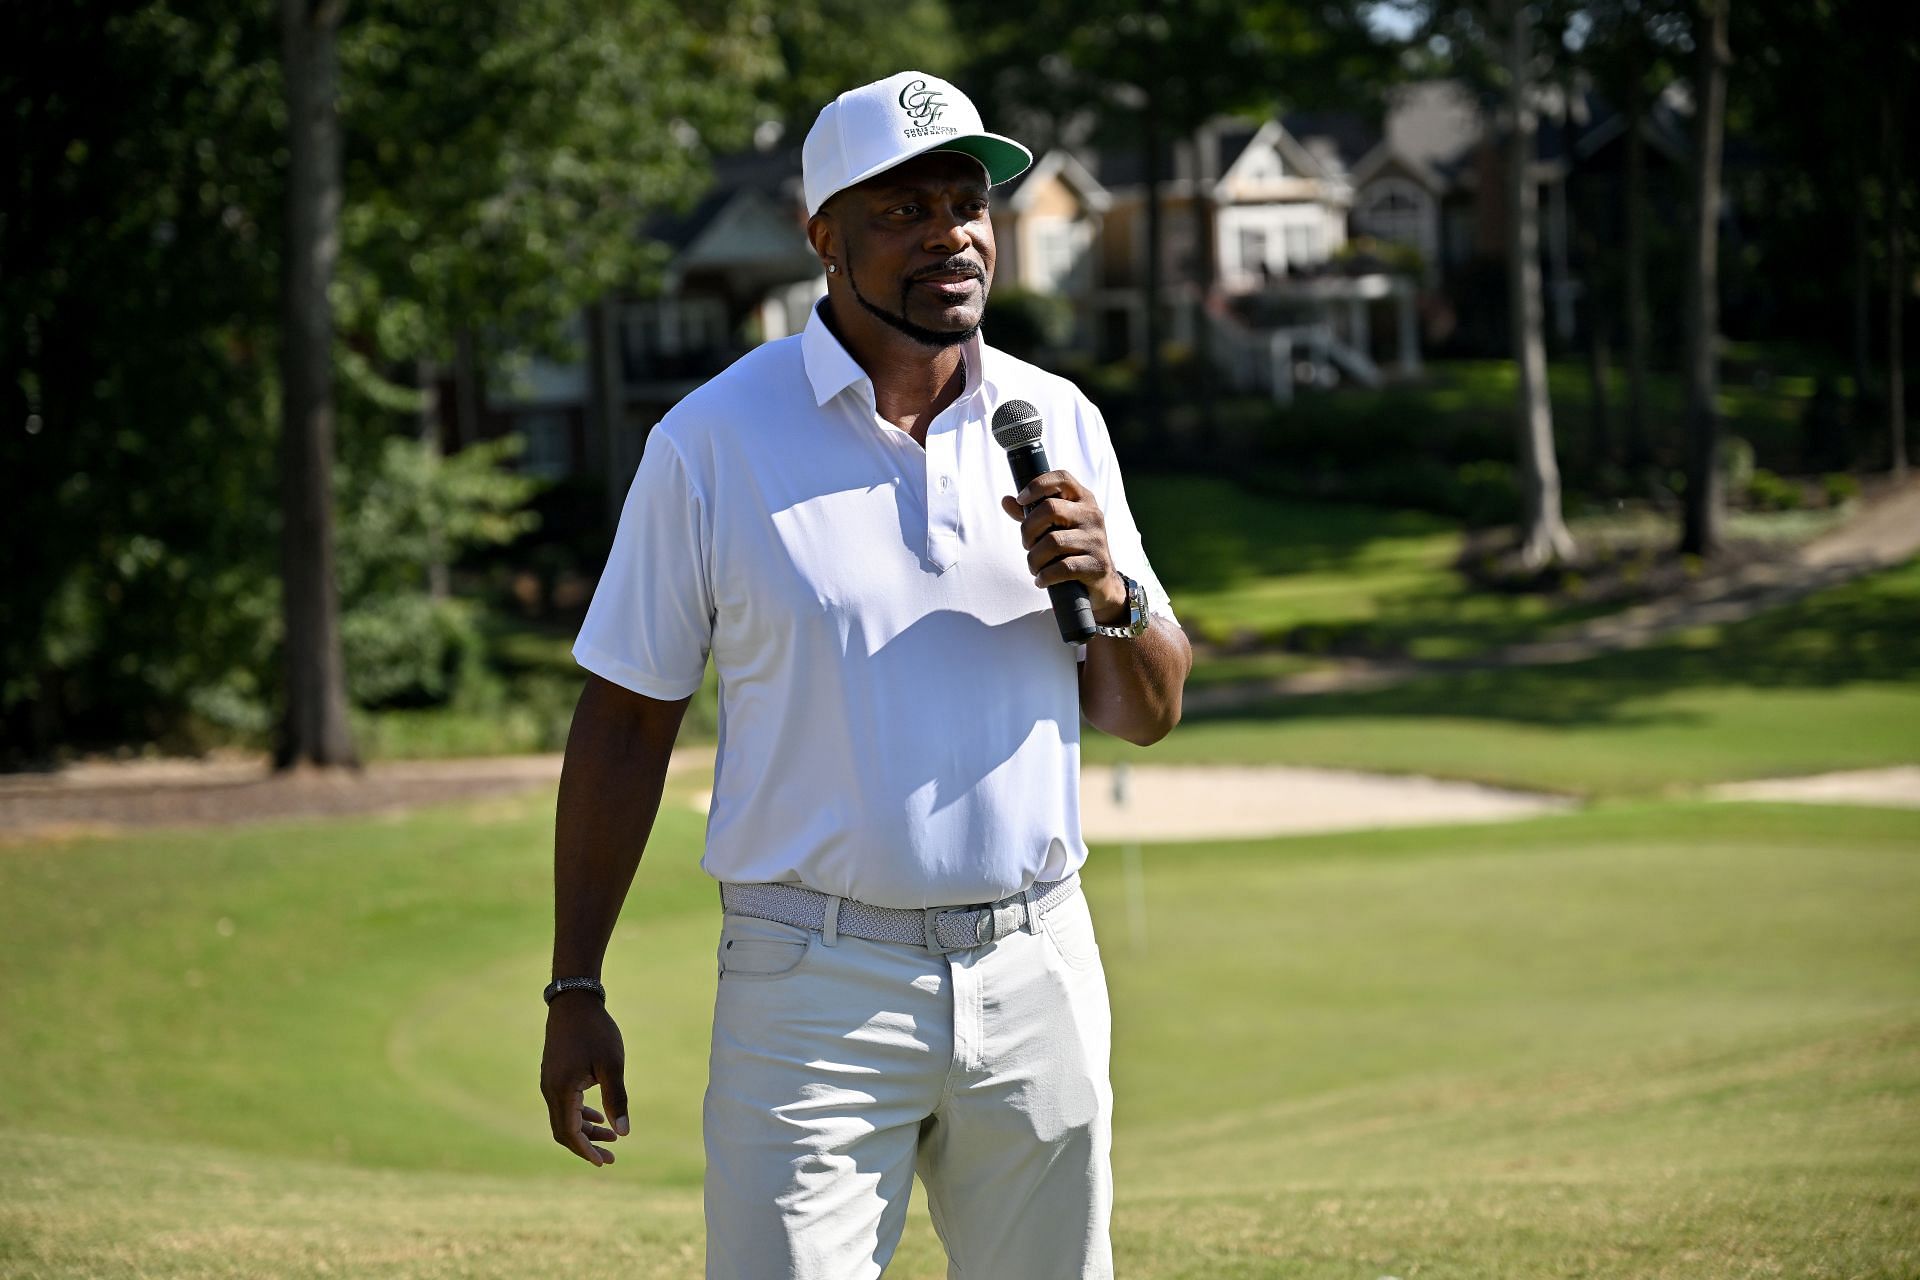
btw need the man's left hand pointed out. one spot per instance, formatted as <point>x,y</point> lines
<point>1066,539</point>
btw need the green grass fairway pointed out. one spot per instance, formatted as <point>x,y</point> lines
<point>1237,564</point>
<point>1832,682</point>
<point>1321,576</point>
<point>1642,1041</point>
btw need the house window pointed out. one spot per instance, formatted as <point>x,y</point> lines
<point>1253,250</point>
<point>674,337</point>
<point>549,436</point>
<point>1056,255</point>
<point>1392,213</point>
<point>1304,246</point>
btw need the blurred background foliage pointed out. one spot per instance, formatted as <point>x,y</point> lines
<point>405,645</point>
<point>498,160</point>
<point>499,156</point>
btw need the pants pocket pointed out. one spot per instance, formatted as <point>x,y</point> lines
<point>1070,925</point>
<point>754,948</point>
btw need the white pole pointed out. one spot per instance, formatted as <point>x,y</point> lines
<point>1409,327</point>
<point>1280,363</point>
<point>1133,872</point>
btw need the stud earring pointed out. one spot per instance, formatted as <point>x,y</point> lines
<point>832,267</point>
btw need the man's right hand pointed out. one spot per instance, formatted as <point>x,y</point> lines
<point>584,1049</point>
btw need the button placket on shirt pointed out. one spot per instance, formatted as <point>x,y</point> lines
<point>868,407</point>
<point>940,480</point>
<point>943,487</point>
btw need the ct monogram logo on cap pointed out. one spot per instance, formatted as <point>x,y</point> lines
<point>923,106</point>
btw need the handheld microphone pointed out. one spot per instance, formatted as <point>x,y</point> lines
<point>1016,426</point>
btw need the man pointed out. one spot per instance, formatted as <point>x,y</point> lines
<point>908,974</point>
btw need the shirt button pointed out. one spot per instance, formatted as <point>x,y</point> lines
<point>946,483</point>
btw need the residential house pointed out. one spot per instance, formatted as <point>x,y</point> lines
<point>1049,224</point>
<point>739,272</point>
<point>1429,178</point>
<point>1269,210</point>
<point>1250,196</point>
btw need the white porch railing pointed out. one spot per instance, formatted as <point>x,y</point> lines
<point>1320,352</point>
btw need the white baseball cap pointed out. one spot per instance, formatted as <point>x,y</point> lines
<point>869,130</point>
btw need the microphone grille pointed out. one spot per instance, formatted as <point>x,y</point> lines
<point>1016,423</point>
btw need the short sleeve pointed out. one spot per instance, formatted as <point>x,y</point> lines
<point>650,623</point>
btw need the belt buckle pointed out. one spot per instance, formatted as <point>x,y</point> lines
<point>983,928</point>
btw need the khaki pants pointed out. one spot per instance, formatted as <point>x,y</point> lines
<point>839,1069</point>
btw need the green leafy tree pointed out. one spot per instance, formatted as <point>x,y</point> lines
<point>500,158</point>
<point>501,155</point>
<point>497,162</point>
<point>139,254</point>
<point>1835,185</point>
<point>404,645</point>
<point>826,47</point>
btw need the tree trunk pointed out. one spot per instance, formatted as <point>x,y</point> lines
<point>315,729</point>
<point>1151,287</point>
<point>1203,281</point>
<point>1597,294</point>
<point>1862,287</point>
<point>1639,322</point>
<point>1705,503</point>
<point>1599,360</point>
<point>1897,282</point>
<point>1544,536</point>
<point>608,387</point>
<point>427,374</point>
<point>466,392</point>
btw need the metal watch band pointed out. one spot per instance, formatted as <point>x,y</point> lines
<point>558,985</point>
<point>1137,615</point>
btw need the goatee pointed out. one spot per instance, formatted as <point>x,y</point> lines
<point>935,338</point>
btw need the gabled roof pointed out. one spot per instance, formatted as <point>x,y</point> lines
<point>1221,151</point>
<point>1346,134</point>
<point>1662,125</point>
<point>1377,162</point>
<point>1429,135</point>
<point>1017,195</point>
<point>774,174</point>
<point>1298,159</point>
<point>750,231</point>
<point>1230,142</point>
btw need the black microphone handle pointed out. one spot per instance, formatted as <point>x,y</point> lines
<point>1072,606</point>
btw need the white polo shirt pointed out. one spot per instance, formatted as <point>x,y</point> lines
<point>899,718</point>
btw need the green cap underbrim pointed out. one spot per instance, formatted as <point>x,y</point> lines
<point>1004,158</point>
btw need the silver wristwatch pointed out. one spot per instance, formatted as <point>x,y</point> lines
<point>1137,617</point>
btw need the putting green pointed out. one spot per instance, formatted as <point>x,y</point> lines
<point>1650,1040</point>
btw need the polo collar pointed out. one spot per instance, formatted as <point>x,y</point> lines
<point>832,369</point>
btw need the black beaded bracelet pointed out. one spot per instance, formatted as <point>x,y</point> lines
<point>558,985</point>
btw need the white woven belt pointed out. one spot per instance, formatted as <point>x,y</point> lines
<point>938,929</point>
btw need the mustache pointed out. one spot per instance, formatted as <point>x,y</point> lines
<point>957,267</point>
